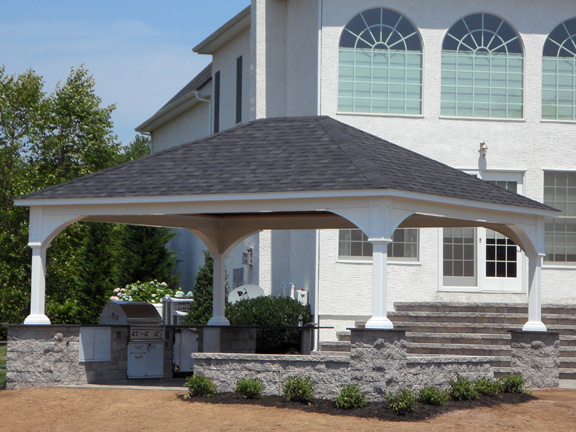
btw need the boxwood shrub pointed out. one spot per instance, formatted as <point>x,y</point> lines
<point>274,312</point>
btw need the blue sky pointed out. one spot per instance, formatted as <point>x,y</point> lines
<point>139,52</point>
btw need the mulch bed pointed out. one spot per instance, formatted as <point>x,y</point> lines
<point>376,410</point>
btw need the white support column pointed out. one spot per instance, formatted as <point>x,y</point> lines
<point>219,292</point>
<point>535,294</point>
<point>38,295</point>
<point>379,318</point>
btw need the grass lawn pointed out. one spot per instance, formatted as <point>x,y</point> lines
<point>3,349</point>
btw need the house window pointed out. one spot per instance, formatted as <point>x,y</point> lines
<point>482,69</point>
<point>559,73</point>
<point>380,64</point>
<point>217,102</point>
<point>239,90</point>
<point>353,244</point>
<point>560,192</point>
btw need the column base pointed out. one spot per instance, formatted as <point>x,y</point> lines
<point>379,323</point>
<point>218,321</point>
<point>534,326</point>
<point>37,319</point>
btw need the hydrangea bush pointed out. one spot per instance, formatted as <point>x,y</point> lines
<point>151,292</point>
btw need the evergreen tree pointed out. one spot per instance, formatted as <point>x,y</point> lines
<point>145,257</point>
<point>46,139</point>
<point>201,309</point>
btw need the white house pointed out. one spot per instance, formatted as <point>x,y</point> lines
<point>487,88</point>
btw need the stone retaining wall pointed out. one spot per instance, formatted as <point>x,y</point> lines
<point>378,363</point>
<point>536,356</point>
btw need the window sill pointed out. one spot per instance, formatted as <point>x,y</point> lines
<point>476,290</point>
<point>559,266</point>
<point>369,261</point>
<point>369,114</point>
<point>484,119</point>
<point>558,121</point>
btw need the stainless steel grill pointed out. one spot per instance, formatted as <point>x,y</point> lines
<point>146,344</point>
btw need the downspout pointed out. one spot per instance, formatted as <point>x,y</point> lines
<point>196,95</point>
<point>317,246</point>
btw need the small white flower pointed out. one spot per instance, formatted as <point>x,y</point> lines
<point>163,284</point>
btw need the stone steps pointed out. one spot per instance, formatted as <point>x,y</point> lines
<point>568,373</point>
<point>437,329</point>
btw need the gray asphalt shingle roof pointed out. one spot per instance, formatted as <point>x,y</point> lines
<point>283,155</point>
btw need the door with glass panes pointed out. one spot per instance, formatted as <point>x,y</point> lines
<point>480,258</point>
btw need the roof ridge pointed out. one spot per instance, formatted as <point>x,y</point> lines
<point>353,153</point>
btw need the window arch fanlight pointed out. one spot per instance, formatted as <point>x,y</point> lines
<point>559,73</point>
<point>380,64</point>
<point>482,69</point>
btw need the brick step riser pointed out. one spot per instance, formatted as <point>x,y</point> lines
<point>476,330</point>
<point>567,354</point>
<point>333,348</point>
<point>399,307</point>
<point>567,364</point>
<point>567,375</point>
<point>520,321</point>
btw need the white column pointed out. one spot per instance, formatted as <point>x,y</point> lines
<point>379,318</point>
<point>38,295</point>
<point>219,292</point>
<point>535,294</point>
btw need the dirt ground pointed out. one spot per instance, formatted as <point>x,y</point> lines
<point>65,409</point>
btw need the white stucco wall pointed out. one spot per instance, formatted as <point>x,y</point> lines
<point>280,78</point>
<point>188,126</point>
<point>527,146</point>
<point>224,61</point>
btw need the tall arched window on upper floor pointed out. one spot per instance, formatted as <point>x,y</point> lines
<point>482,69</point>
<point>559,73</point>
<point>380,68</point>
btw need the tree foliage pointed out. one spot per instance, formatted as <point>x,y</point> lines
<point>201,309</point>
<point>46,139</point>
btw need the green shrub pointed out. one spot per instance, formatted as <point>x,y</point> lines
<point>298,389</point>
<point>274,312</point>
<point>463,389</point>
<point>402,402</point>
<point>513,384</point>
<point>200,386</point>
<point>249,388</point>
<point>351,397</point>
<point>433,396</point>
<point>3,351</point>
<point>487,387</point>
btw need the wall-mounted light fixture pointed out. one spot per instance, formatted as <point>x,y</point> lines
<point>483,149</point>
<point>247,257</point>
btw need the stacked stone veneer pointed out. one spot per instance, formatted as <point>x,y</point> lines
<point>378,363</point>
<point>42,356</point>
<point>537,357</point>
<point>37,357</point>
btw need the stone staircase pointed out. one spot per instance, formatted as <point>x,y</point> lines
<point>472,330</point>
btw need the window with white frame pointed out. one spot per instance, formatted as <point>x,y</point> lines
<point>559,73</point>
<point>560,192</point>
<point>353,244</point>
<point>380,64</point>
<point>482,69</point>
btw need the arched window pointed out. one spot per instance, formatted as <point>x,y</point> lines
<point>559,73</point>
<point>482,69</point>
<point>380,67</point>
